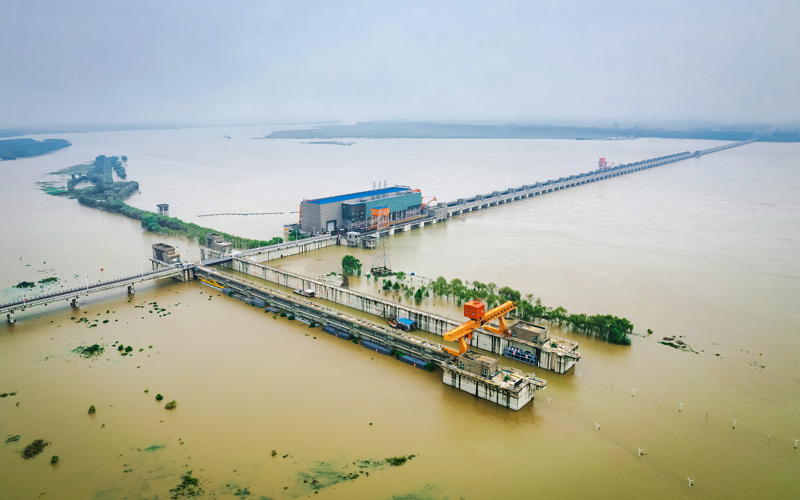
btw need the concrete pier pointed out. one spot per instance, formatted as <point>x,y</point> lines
<point>512,393</point>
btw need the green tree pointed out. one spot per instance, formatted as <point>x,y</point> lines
<point>351,265</point>
<point>507,293</point>
<point>420,293</point>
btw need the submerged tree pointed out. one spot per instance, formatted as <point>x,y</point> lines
<point>351,265</point>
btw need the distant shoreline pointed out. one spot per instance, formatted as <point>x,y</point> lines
<point>422,130</point>
<point>11,149</point>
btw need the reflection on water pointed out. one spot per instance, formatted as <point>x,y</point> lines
<point>703,249</point>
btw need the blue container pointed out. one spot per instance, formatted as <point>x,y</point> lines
<point>336,332</point>
<point>372,346</point>
<point>411,360</point>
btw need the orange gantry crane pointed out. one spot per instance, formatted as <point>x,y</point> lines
<point>425,205</point>
<point>479,318</point>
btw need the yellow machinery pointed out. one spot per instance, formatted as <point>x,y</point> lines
<point>474,309</point>
<point>212,283</point>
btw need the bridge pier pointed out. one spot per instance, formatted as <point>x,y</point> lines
<point>10,317</point>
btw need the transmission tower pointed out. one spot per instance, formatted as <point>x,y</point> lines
<point>380,261</point>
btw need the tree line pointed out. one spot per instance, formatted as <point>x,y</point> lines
<point>607,327</point>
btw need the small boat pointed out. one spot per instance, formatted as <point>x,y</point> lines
<point>393,322</point>
<point>304,293</point>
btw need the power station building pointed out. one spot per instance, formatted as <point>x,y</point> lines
<point>353,212</point>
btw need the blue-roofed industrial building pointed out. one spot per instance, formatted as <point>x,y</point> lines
<point>353,211</point>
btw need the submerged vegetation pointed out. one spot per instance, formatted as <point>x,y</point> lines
<point>188,487</point>
<point>395,461</point>
<point>34,448</point>
<point>351,265</point>
<point>106,193</point>
<point>90,351</point>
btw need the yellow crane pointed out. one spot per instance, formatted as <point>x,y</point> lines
<point>479,318</point>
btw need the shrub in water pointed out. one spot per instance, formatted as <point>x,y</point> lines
<point>34,448</point>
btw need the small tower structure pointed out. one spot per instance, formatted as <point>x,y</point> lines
<point>380,261</point>
<point>163,209</point>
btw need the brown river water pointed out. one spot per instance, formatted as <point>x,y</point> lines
<point>705,248</point>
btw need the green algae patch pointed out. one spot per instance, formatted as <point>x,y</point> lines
<point>325,474</point>
<point>89,351</point>
<point>34,448</point>
<point>237,491</point>
<point>13,439</point>
<point>155,447</point>
<point>188,487</point>
<point>395,461</point>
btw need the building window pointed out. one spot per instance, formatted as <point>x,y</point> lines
<point>461,364</point>
<point>484,373</point>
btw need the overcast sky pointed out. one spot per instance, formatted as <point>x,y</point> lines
<point>226,62</point>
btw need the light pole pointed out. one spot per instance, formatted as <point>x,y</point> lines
<point>141,268</point>
<point>87,282</point>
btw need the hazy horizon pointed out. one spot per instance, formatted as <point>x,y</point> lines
<point>205,64</point>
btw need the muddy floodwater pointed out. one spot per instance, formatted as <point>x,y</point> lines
<point>705,249</point>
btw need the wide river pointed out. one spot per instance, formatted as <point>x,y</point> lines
<point>706,249</point>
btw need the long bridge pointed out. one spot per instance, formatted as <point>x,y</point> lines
<point>495,198</point>
<point>184,272</point>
